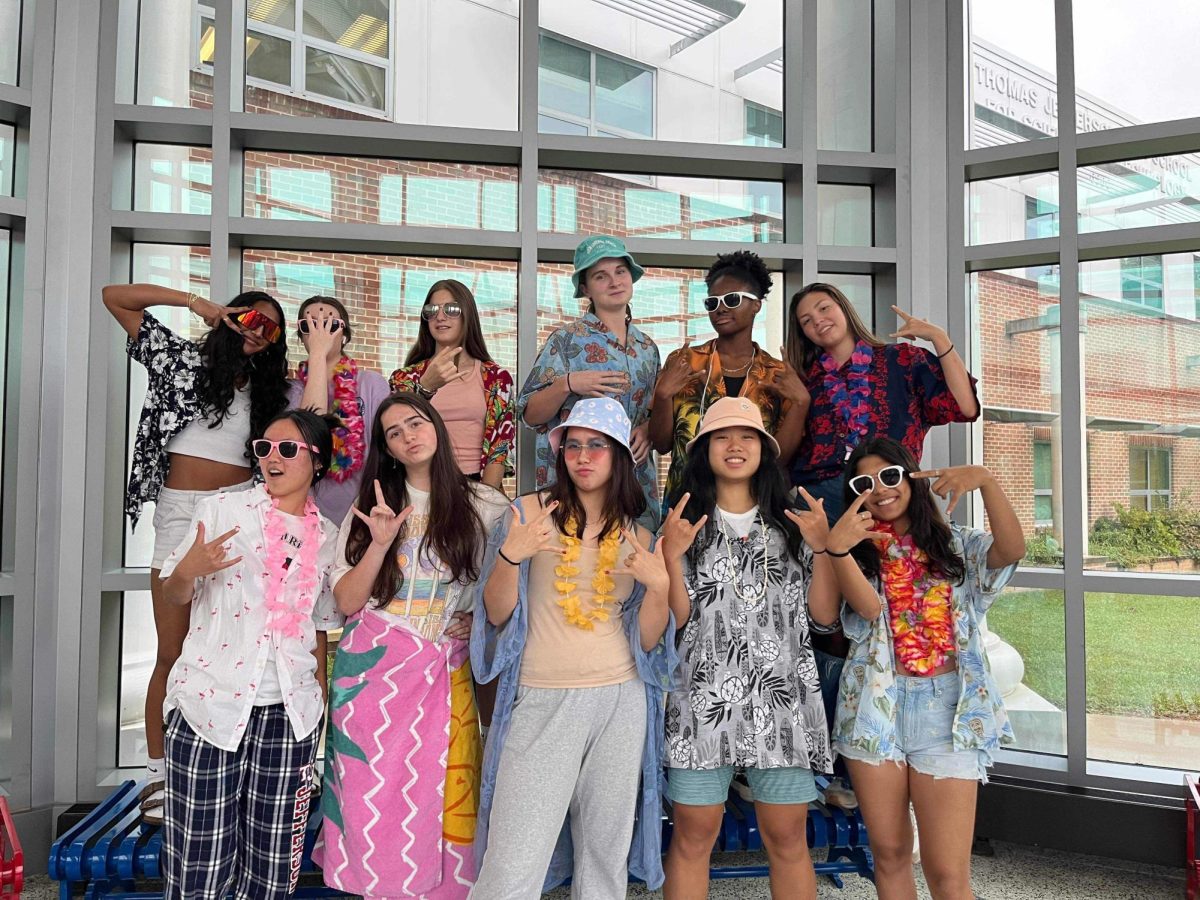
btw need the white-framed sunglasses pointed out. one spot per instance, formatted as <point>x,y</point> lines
<point>732,300</point>
<point>890,476</point>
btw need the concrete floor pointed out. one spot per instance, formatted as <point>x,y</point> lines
<point>1013,873</point>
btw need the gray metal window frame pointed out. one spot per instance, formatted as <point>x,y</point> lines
<point>1149,493</point>
<point>1065,154</point>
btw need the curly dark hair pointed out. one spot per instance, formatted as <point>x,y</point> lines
<point>744,265</point>
<point>767,487</point>
<point>925,522</point>
<point>226,367</point>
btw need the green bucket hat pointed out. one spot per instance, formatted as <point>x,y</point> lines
<point>601,246</point>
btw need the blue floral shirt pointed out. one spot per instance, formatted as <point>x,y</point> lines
<point>497,653</point>
<point>587,344</point>
<point>866,711</point>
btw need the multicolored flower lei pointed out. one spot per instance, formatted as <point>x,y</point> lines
<point>286,618</point>
<point>349,443</point>
<point>602,582</point>
<point>918,604</point>
<point>850,395</point>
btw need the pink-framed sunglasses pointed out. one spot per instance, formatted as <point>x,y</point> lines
<point>287,449</point>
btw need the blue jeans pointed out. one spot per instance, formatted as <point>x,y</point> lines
<point>829,490</point>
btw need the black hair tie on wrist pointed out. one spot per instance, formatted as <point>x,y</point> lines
<point>948,351</point>
<point>506,559</point>
<point>838,555</point>
<point>569,391</point>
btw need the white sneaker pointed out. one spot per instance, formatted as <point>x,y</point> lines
<point>912,817</point>
<point>840,794</point>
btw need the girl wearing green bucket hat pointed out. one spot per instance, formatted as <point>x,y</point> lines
<point>600,354</point>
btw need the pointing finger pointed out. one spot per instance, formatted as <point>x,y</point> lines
<point>926,473</point>
<point>404,514</point>
<point>632,538</point>
<point>700,524</point>
<point>228,563</point>
<point>199,532</point>
<point>379,500</point>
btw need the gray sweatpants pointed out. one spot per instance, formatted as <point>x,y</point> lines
<point>571,748</point>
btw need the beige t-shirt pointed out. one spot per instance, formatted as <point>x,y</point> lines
<point>561,655</point>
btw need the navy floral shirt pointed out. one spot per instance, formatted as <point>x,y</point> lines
<point>172,363</point>
<point>909,395</point>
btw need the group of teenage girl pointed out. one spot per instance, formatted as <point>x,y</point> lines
<point>520,689</point>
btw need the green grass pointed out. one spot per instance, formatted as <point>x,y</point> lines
<point>1143,652</point>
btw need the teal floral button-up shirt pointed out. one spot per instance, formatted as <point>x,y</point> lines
<point>866,711</point>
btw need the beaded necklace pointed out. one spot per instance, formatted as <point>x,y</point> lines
<point>758,588</point>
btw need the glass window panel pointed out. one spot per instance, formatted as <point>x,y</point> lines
<point>1014,325</point>
<point>273,12</point>
<point>370,190</point>
<point>1024,638</point>
<point>1144,711</point>
<point>7,754</point>
<point>845,215</point>
<point>172,178</point>
<point>1018,208</point>
<point>1159,87</point>
<point>844,78</point>
<point>185,269</point>
<point>345,79</point>
<point>356,24</point>
<point>1162,190</point>
<point>268,58</point>
<point>679,208</point>
<point>1011,85</point>
<point>10,40</point>
<point>139,648</point>
<point>174,53</point>
<point>1142,405</point>
<point>686,71</point>
<point>551,125</point>
<point>8,147</point>
<point>5,277</point>
<point>859,290</point>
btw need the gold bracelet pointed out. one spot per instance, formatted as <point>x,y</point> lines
<point>192,298</point>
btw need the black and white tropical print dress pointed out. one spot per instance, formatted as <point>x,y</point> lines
<point>746,692</point>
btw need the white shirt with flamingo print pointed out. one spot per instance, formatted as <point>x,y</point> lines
<point>228,647</point>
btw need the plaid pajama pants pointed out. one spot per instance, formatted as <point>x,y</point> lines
<point>236,819</point>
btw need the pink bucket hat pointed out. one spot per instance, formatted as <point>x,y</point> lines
<point>729,412</point>
<point>605,416</point>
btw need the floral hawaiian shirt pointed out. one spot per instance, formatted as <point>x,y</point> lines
<point>172,403</point>
<point>746,690</point>
<point>498,428</point>
<point>586,344</point>
<point>866,711</point>
<point>909,395</point>
<point>700,393</point>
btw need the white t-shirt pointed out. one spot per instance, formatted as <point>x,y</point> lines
<point>739,523</point>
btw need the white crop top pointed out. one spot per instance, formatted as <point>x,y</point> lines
<point>224,444</point>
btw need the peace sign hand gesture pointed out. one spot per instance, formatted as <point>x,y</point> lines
<point>205,558</point>
<point>442,369</point>
<point>812,522</point>
<point>852,528</point>
<point>676,374</point>
<point>648,568</point>
<point>786,384</point>
<point>384,523</point>
<point>214,314</point>
<point>915,329</point>
<point>677,532</point>
<point>528,539</point>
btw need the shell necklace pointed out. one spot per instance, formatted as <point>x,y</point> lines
<point>758,589</point>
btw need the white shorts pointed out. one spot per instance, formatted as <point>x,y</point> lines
<point>173,513</point>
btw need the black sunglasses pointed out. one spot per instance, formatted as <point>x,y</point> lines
<point>731,300</point>
<point>304,326</point>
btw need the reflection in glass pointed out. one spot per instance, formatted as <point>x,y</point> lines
<point>139,648</point>
<point>1143,707</point>
<point>401,192</point>
<point>268,58</point>
<point>845,215</point>
<point>1015,325</point>
<point>1141,349</point>
<point>184,269</point>
<point>1135,193</point>
<point>1011,86</point>
<point>5,277</point>
<point>360,25</point>
<point>859,290</point>
<point>1017,208</point>
<point>172,178</point>
<point>6,691</point>
<point>707,209</point>
<point>844,83</point>
<point>679,71</point>
<point>8,148</point>
<point>10,40</point>
<point>175,49</point>
<point>345,79</point>
<point>1025,640</point>
<point>272,12</point>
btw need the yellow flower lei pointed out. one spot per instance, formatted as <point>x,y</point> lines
<point>602,582</point>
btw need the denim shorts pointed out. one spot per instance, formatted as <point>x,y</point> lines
<point>924,728</point>
<point>708,787</point>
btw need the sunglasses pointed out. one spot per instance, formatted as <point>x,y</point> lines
<point>888,477</point>
<point>594,447</point>
<point>252,320</point>
<point>430,310</point>
<point>304,326</point>
<point>731,300</point>
<point>287,449</point>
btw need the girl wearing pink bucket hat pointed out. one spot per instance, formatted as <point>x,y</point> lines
<point>573,621</point>
<point>745,694</point>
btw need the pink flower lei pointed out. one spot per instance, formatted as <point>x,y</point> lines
<point>284,618</point>
<point>349,443</point>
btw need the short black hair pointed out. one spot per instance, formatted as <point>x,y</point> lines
<point>745,266</point>
<point>317,430</point>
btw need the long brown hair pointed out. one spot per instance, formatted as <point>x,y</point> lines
<point>623,502</point>
<point>347,331</point>
<point>801,352</point>
<point>472,337</point>
<point>455,529</point>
